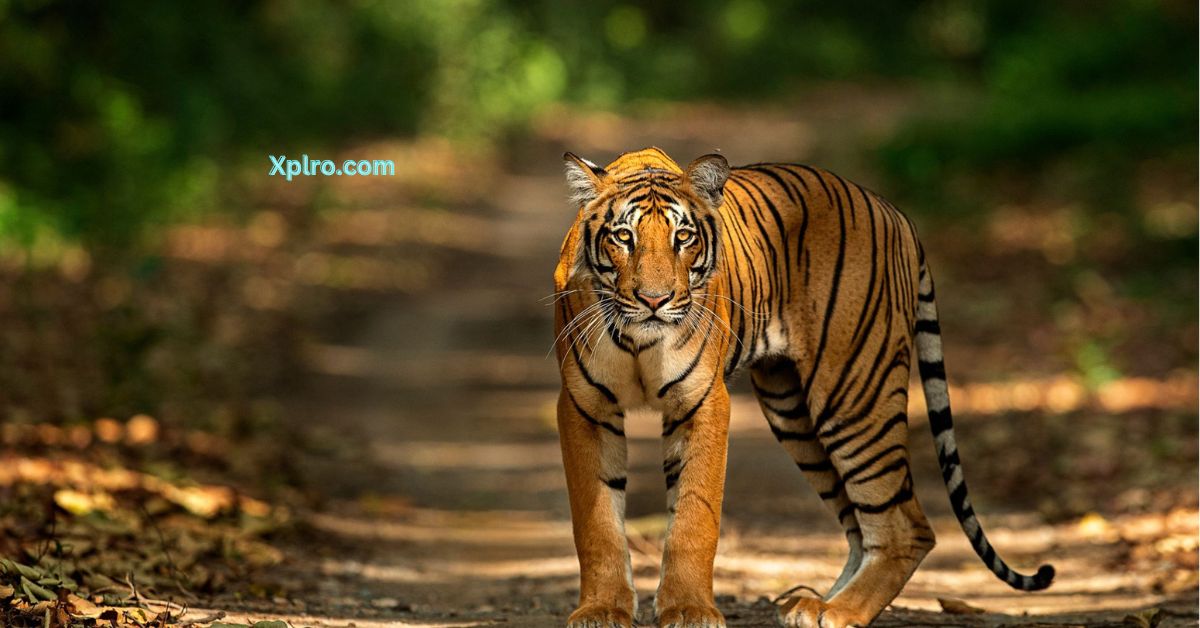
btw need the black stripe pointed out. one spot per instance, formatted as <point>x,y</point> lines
<point>831,306</point>
<point>787,394</point>
<point>899,463</point>
<point>836,491</point>
<point>782,434</point>
<point>587,377</point>
<point>672,469</point>
<point>866,464</point>
<point>618,340</point>
<point>633,200</point>
<point>958,497</point>
<point>798,411</point>
<point>594,421</point>
<point>927,327</point>
<point>739,238</point>
<point>939,421</point>
<point>901,496</point>
<point>864,322</point>
<point>795,200</point>
<point>616,484</point>
<point>711,246</point>
<point>672,478</point>
<point>838,398</point>
<point>823,465</point>
<point>766,170</point>
<point>846,189</point>
<point>832,446</point>
<point>787,260</point>
<point>884,429</point>
<point>900,361</point>
<point>948,463</point>
<point>931,370</point>
<point>641,348</point>
<point>662,392</point>
<point>687,416</point>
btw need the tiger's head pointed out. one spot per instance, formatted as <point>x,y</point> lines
<point>648,232</point>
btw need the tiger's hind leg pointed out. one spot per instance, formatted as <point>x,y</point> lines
<point>780,394</point>
<point>867,445</point>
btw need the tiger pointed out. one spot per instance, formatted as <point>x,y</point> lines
<point>672,280</point>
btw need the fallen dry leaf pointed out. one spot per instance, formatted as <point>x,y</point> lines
<point>954,606</point>
<point>1149,618</point>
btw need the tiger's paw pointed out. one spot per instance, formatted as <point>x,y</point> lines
<point>813,613</point>
<point>600,616</point>
<point>691,616</point>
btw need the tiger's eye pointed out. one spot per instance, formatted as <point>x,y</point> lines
<point>683,237</point>
<point>624,235</point>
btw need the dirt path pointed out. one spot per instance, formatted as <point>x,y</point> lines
<point>457,515</point>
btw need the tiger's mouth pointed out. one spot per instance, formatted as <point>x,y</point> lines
<point>631,315</point>
<point>661,318</point>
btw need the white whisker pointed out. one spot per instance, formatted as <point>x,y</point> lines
<point>555,297</point>
<point>760,316</point>
<point>576,321</point>
<point>716,318</point>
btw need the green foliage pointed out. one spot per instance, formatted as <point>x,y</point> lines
<point>1102,84</point>
<point>122,116</point>
<point>118,116</point>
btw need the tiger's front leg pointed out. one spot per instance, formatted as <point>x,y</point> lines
<point>591,432</point>
<point>695,444</point>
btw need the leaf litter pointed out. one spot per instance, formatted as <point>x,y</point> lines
<point>85,540</point>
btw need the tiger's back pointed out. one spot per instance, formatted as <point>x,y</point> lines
<point>804,250</point>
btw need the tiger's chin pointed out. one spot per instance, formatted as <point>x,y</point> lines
<point>655,326</point>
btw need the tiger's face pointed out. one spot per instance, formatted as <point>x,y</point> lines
<point>648,234</point>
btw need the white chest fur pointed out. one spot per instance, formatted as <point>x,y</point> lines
<point>638,370</point>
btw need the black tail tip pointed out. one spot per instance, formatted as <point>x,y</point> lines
<point>1043,578</point>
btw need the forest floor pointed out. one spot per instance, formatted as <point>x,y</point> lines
<point>432,490</point>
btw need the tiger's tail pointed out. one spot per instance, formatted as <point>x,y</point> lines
<point>937,399</point>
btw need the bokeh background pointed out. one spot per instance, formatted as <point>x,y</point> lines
<point>331,396</point>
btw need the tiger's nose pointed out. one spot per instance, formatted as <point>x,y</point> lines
<point>653,300</point>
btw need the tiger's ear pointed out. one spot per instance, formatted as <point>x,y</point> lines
<point>583,179</point>
<point>707,176</point>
